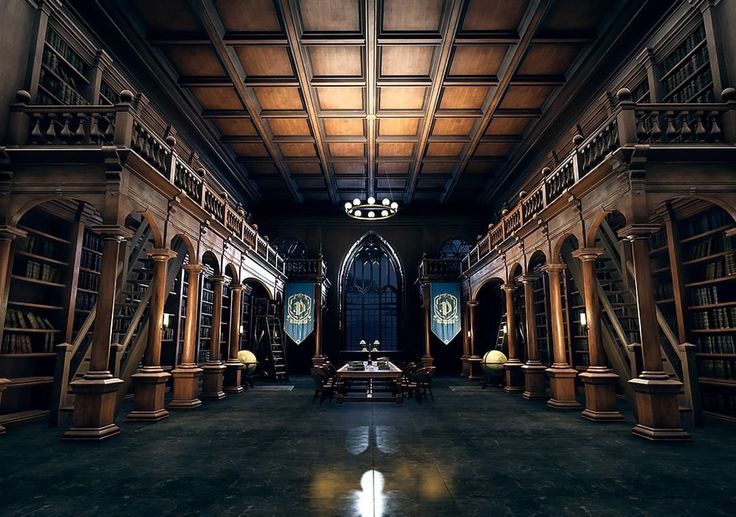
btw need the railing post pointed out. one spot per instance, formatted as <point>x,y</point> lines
<point>545,173</point>
<point>729,116</point>
<point>18,121</point>
<point>116,358</point>
<point>691,387</point>
<point>576,165</point>
<point>171,165</point>
<point>124,117</point>
<point>625,117</point>
<point>59,398</point>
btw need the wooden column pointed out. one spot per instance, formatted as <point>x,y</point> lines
<point>149,382</point>
<point>233,366</point>
<point>599,379</point>
<point>466,342</point>
<point>474,360</point>
<point>534,383</point>
<point>657,407</point>
<point>318,358</point>
<point>7,235</point>
<point>512,368</point>
<point>186,375</point>
<point>561,374</point>
<point>427,359</point>
<point>214,369</point>
<point>96,393</point>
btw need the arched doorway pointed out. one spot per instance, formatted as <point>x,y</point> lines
<point>371,294</point>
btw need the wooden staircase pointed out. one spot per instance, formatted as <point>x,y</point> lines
<point>270,348</point>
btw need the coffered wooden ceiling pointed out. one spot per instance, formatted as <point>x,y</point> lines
<point>325,100</point>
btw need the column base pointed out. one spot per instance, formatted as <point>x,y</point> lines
<point>657,409</point>
<point>513,377</point>
<point>318,360</point>
<point>562,384</point>
<point>600,395</point>
<point>465,366</point>
<point>233,373</point>
<point>534,383</point>
<point>427,361</point>
<point>93,418</point>
<point>186,388</point>
<point>474,368</point>
<point>212,380</point>
<point>148,403</point>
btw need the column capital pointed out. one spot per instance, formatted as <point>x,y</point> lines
<point>193,268</point>
<point>9,233</point>
<point>509,288</point>
<point>113,231</point>
<point>161,254</point>
<point>237,287</point>
<point>218,279</point>
<point>528,279</point>
<point>634,232</point>
<point>588,254</point>
<point>554,268</point>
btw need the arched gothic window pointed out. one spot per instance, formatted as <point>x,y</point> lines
<point>455,249</point>
<point>290,247</point>
<point>371,282</point>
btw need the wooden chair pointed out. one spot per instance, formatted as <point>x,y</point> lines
<point>423,377</point>
<point>324,387</point>
<point>408,381</point>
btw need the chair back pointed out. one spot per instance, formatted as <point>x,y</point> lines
<point>424,375</point>
<point>319,376</point>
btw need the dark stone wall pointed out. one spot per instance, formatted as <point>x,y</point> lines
<point>16,31</point>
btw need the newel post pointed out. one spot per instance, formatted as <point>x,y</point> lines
<point>124,117</point>
<point>729,116</point>
<point>626,117</point>
<point>18,121</point>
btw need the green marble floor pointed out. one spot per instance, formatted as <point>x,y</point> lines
<point>469,453</point>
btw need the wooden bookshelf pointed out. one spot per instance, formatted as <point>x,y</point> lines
<point>685,72</point>
<point>521,338</point>
<point>225,323</point>
<point>246,320</point>
<point>566,278</point>
<point>541,306</point>
<point>64,76</point>
<point>205,316</point>
<point>578,333</point>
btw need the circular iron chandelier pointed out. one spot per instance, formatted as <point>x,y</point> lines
<point>371,209</point>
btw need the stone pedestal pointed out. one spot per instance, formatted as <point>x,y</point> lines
<point>148,402</point>
<point>212,382</point>
<point>657,409</point>
<point>534,381</point>
<point>513,377</point>
<point>186,388</point>
<point>233,373</point>
<point>94,409</point>
<point>562,385</point>
<point>600,395</point>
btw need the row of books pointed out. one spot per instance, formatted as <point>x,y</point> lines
<point>704,295</point>
<point>61,89</point>
<point>63,48</point>
<point>723,403</point>
<point>44,247</point>
<point>718,318</point>
<point>686,69</point>
<point>708,246</point>
<point>208,296</point>
<point>658,240</point>
<point>23,344</point>
<point>90,260</point>
<point>717,368</point>
<point>89,281</point>
<point>41,271</point>
<point>17,319</point>
<point>92,241</point>
<point>717,344</point>
<point>683,49</point>
<point>693,91</point>
<point>704,222</point>
<point>85,301</point>
<point>663,291</point>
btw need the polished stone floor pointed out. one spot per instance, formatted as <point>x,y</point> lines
<point>469,453</point>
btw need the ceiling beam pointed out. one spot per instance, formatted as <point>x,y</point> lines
<point>199,81</point>
<point>207,13</point>
<point>371,37</point>
<point>289,14</point>
<point>443,62</point>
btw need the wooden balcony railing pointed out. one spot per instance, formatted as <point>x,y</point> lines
<point>120,125</point>
<point>306,268</point>
<point>439,268</point>
<point>630,124</point>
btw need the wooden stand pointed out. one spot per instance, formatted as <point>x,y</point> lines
<point>657,409</point>
<point>534,381</point>
<point>600,395</point>
<point>213,379</point>
<point>148,403</point>
<point>233,374</point>
<point>94,409</point>
<point>186,387</point>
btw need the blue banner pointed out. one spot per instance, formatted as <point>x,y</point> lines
<point>299,310</point>
<point>445,310</point>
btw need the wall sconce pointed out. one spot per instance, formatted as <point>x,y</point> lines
<point>166,320</point>
<point>504,329</point>
<point>242,329</point>
<point>469,334</point>
<point>583,320</point>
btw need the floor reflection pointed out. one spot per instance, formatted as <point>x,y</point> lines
<point>369,501</point>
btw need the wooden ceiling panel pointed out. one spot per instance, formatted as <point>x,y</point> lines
<point>250,150</point>
<point>481,167</point>
<point>193,61</point>
<point>236,126</point>
<point>437,167</point>
<point>477,60</point>
<point>262,61</point>
<point>344,126</point>
<point>407,98</point>
<point>507,126</point>
<point>406,61</point>
<point>434,181</point>
<point>351,183</point>
<point>349,167</point>
<point>346,149</point>
<point>217,98</point>
<point>529,97</point>
<point>493,15</point>
<point>298,150</point>
<point>311,182</point>
<point>395,149</point>
<point>544,59</point>
<point>167,16</point>
<point>389,185</point>
<point>411,15</point>
<point>393,168</point>
<point>279,98</point>
<point>463,97</point>
<point>330,15</point>
<point>445,149</point>
<point>261,168</point>
<point>289,127</point>
<point>493,149</point>
<point>305,167</point>
<point>574,15</point>
<point>452,126</point>
<point>336,61</point>
<point>248,16</point>
<point>340,99</point>
<point>398,126</point>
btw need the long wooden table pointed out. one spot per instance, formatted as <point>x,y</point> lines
<point>365,385</point>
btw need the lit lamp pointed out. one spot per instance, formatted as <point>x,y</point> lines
<point>166,321</point>
<point>376,344</point>
<point>242,329</point>
<point>503,328</point>
<point>583,320</point>
<point>363,345</point>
